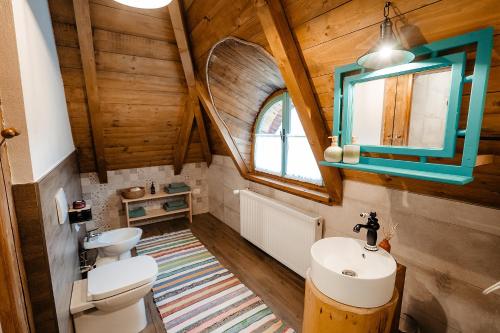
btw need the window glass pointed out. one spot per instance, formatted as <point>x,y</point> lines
<point>281,146</point>
<point>300,162</point>
<point>295,124</point>
<point>271,120</point>
<point>267,155</point>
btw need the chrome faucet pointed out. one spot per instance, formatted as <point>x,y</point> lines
<point>91,234</point>
<point>371,234</point>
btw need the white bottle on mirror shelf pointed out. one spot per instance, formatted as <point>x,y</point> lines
<point>351,152</point>
<point>334,152</point>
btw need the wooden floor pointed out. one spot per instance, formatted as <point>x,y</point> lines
<point>280,288</point>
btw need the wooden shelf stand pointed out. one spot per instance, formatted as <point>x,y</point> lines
<point>157,212</point>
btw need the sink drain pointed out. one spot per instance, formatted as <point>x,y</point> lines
<point>349,272</point>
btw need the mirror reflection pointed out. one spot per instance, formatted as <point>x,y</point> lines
<point>407,110</point>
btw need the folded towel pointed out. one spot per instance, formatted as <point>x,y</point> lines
<point>136,212</point>
<point>175,185</point>
<point>175,203</point>
<point>171,209</point>
<point>171,190</point>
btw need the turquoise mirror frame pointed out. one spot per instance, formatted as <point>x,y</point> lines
<point>422,169</point>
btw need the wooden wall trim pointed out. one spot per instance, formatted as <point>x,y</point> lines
<point>85,41</point>
<point>275,25</point>
<point>192,105</point>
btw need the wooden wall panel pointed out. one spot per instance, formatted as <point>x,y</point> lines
<point>50,250</point>
<point>140,79</point>
<point>336,32</point>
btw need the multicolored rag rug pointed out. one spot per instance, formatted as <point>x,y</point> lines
<point>195,293</point>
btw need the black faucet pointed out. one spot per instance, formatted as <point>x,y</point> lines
<point>371,234</point>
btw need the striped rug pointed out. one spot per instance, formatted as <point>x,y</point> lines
<point>195,293</point>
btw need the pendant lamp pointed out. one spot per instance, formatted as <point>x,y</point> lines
<point>146,4</point>
<point>388,50</point>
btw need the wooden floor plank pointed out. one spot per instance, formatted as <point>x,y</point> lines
<point>280,288</point>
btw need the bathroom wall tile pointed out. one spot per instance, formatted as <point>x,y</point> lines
<point>232,218</point>
<point>261,189</point>
<point>217,209</point>
<point>105,198</point>
<point>217,160</point>
<point>296,202</point>
<point>231,200</point>
<point>458,250</point>
<point>449,211</point>
<point>371,195</point>
<point>436,295</point>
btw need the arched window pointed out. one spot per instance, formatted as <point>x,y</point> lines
<point>280,146</point>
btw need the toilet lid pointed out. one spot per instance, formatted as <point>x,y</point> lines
<point>120,276</point>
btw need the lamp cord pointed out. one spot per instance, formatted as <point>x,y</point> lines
<point>386,9</point>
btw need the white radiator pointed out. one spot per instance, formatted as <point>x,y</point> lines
<point>282,231</point>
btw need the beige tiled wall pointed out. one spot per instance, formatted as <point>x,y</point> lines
<point>451,249</point>
<point>107,209</point>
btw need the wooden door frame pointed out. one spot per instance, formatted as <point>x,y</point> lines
<point>15,310</point>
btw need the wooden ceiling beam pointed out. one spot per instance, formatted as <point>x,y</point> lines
<point>193,105</point>
<point>184,135</point>
<point>85,41</point>
<point>221,129</point>
<point>277,30</point>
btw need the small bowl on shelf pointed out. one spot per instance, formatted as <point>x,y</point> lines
<point>135,192</point>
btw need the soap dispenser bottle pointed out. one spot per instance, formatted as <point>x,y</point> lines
<point>334,152</point>
<point>351,152</point>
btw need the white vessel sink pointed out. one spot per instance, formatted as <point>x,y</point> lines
<point>342,269</point>
<point>115,242</point>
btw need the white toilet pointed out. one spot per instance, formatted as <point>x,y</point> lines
<point>111,299</point>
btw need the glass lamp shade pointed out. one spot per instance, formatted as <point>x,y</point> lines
<point>145,4</point>
<point>385,56</point>
<point>387,52</point>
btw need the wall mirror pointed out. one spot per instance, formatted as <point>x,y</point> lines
<point>406,109</point>
<point>408,119</point>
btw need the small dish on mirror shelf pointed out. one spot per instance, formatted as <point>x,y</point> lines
<point>135,192</point>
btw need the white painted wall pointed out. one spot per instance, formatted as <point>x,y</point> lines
<point>450,248</point>
<point>49,139</point>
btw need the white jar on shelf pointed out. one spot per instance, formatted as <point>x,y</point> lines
<point>351,152</point>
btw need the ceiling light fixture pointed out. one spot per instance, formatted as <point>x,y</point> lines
<point>145,4</point>
<point>388,50</point>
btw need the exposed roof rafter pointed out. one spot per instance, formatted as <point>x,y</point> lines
<point>221,129</point>
<point>85,40</point>
<point>275,25</point>
<point>192,106</point>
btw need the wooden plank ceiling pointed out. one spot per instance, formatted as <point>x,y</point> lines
<point>335,32</point>
<point>143,90</point>
<point>140,80</point>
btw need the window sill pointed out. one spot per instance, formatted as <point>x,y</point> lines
<point>307,191</point>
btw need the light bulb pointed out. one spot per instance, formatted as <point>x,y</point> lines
<point>385,51</point>
<point>145,4</point>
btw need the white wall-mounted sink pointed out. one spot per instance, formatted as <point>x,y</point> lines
<point>342,269</point>
<point>115,243</point>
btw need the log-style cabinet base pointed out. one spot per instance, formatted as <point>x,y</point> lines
<point>322,314</point>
